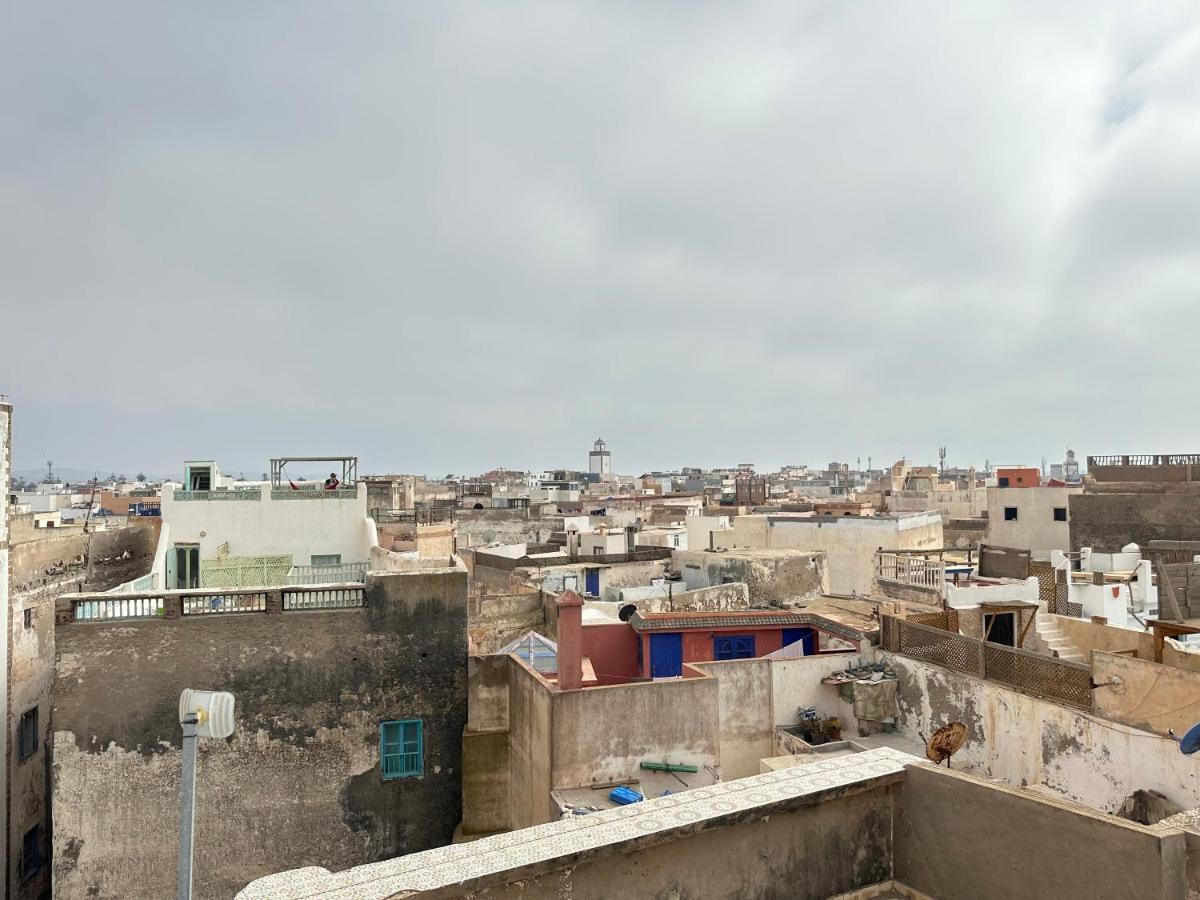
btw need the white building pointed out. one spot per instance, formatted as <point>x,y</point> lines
<point>1036,519</point>
<point>244,535</point>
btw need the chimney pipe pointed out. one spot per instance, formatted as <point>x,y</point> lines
<point>570,641</point>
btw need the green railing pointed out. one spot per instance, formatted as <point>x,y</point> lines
<point>314,493</point>
<point>223,494</point>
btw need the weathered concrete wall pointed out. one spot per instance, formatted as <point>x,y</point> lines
<point>757,695</point>
<point>957,838</point>
<point>1109,521</point>
<point>771,578</point>
<point>299,783</point>
<point>530,747</point>
<point>602,734</point>
<point>1150,696</point>
<point>801,852</point>
<point>1035,528</point>
<point>909,593</point>
<point>849,542</point>
<point>480,527</point>
<point>115,556</point>
<point>1088,636</point>
<point>496,619</point>
<point>963,533</point>
<point>1023,741</point>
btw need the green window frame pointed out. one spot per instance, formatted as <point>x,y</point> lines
<point>402,748</point>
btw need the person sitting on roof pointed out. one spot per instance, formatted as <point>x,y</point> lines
<point>332,483</point>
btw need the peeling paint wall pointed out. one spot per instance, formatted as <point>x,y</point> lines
<point>771,579</point>
<point>1024,741</point>
<point>1149,695</point>
<point>299,783</point>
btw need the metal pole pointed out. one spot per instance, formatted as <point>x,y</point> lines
<point>187,810</point>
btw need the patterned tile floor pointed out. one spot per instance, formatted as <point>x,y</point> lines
<point>450,865</point>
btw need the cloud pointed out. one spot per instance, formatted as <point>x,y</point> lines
<point>452,236</point>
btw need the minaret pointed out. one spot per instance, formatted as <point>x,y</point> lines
<point>600,460</point>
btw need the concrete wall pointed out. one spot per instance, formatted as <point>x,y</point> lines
<point>957,838</point>
<point>602,734</point>
<point>771,579</point>
<point>1035,529</point>
<point>801,852</point>
<point>1109,521</point>
<point>112,557</point>
<point>265,527</point>
<point>1022,741</point>
<point>1149,695</point>
<point>480,527</point>
<point>758,695</point>
<point>849,542</point>
<point>531,748</point>
<point>496,619</point>
<point>299,782</point>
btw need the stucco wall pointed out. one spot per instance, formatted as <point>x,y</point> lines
<point>530,748</point>
<point>602,734</point>
<point>771,579</point>
<point>1035,529</point>
<point>1149,695</point>
<point>1023,741</point>
<point>299,782</point>
<point>849,542</point>
<point>957,838</point>
<point>296,527</point>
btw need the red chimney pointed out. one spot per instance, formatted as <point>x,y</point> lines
<point>570,641</point>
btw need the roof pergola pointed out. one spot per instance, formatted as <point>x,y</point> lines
<point>349,466</point>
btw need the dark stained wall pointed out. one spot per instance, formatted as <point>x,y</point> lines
<point>299,783</point>
<point>1108,521</point>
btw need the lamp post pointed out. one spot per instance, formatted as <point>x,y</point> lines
<point>201,714</point>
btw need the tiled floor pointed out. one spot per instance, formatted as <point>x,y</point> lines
<point>450,865</point>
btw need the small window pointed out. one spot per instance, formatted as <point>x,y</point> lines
<point>31,853</point>
<point>28,734</point>
<point>401,748</point>
<point>1060,514</point>
<point>1010,514</point>
<point>739,646</point>
<point>1002,481</point>
<point>28,614</point>
<point>597,551</point>
<point>326,559</point>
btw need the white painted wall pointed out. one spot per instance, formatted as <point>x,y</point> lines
<point>1024,741</point>
<point>300,527</point>
<point>962,597</point>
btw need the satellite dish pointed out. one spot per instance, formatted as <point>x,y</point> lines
<point>947,740</point>
<point>1190,742</point>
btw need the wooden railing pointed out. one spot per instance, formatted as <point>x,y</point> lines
<point>1047,677</point>
<point>914,570</point>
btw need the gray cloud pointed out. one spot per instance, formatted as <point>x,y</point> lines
<point>451,236</point>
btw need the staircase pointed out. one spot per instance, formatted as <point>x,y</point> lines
<point>1056,641</point>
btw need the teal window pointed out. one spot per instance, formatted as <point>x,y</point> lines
<point>326,559</point>
<point>401,748</point>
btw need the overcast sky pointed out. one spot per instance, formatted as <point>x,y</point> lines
<point>451,236</point>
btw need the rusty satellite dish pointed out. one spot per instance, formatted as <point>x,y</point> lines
<point>945,742</point>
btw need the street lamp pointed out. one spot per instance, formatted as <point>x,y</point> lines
<point>202,714</point>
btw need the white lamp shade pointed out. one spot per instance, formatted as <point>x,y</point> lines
<point>213,709</point>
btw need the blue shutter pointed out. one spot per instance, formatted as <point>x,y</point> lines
<point>401,748</point>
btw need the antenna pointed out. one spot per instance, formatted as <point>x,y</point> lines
<point>1190,742</point>
<point>941,460</point>
<point>945,742</point>
<point>49,471</point>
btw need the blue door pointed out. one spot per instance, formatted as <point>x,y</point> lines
<point>807,636</point>
<point>592,582</point>
<point>666,655</point>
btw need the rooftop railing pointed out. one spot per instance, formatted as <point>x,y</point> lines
<point>97,607</point>
<point>432,516</point>
<point>345,572</point>
<point>221,494</point>
<point>1041,676</point>
<point>313,492</point>
<point>1146,459</point>
<point>914,570</point>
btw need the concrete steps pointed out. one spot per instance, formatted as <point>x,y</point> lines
<point>1056,640</point>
